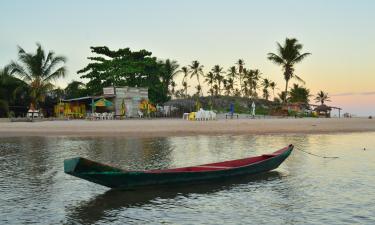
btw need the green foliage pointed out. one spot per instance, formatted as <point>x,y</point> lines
<point>75,89</point>
<point>322,97</point>
<point>126,68</point>
<point>4,108</point>
<point>13,91</point>
<point>287,56</point>
<point>38,70</point>
<point>299,94</point>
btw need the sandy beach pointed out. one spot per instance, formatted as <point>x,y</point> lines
<point>179,127</point>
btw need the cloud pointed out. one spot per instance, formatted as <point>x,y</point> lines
<point>354,93</point>
<point>368,93</point>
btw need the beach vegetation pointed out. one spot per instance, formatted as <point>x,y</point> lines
<point>38,70</point>
<point>299,94</point>
<point>287,56</point>
<point>322,97</point>
<point>196,70</point>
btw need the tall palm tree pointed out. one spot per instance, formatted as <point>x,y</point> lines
<point>185,71</point>
<point>185,87</point>
<point>196,69</point>
<point>169,72</point>
<point>232,74</point>
<point>273,86</point>
<point>287,56</point>
<point>173,88</point>
<point>217,71</point>
<point>240,64</point>
<point>253,78</point>
<point>38,70</point>
<point>322,97</point>
<point>210,79</point>
<point>199,89</point>
<point>266,84</point>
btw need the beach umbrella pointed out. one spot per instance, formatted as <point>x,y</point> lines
<point>102,103</point>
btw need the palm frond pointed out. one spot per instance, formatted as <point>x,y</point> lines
<point>18,70</point>
<point>299,79</point>
<point>299,58</point>
<point>275,58</point>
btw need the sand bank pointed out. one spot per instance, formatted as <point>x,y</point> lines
<point>179,127</point>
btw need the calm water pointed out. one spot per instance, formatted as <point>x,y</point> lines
<point>304,190</point>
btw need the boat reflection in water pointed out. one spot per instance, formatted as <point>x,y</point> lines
<point>89,212</point>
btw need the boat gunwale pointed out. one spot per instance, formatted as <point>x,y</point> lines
<point>289,147</point>
<point>164,171</point>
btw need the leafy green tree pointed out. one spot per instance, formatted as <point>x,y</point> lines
<point>127,68</point>
<point>322,97</point>
<point>287,56</point>
<point>75,89</point>
<point>299,94</point>
<point>38,70</point>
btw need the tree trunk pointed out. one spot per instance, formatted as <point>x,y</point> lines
<point>286,90</point>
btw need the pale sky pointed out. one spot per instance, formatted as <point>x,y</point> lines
<point>340,35</point>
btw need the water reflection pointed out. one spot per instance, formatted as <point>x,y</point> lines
<point>89,212</point>
<point>304,189</point>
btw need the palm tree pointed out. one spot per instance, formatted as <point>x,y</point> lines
<point>196,69</point>
<point>299,94</point>
<point>322,97</point>
<point>173,88</point>
<point>273,86</point>
<point>169,72</point>
<point>232,75</point>
<point>253,77</point>
<point>185,71</point>
<point>288,55</point>
<point>240,64</point>
<point>38,71</point>
<point>185,85</point>
<point>210,77</point>
<point>266,84</point>
<point>217,71</point>
<point>199,89</point>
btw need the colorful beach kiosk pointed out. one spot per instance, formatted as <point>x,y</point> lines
<point>119,101</point>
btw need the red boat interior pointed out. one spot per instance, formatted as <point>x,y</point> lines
<point>222,165</point>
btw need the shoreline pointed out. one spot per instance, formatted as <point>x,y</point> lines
<point>178,127</point>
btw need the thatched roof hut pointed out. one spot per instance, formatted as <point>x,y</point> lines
<point>323,110</point>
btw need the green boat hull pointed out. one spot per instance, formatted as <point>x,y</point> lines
<point>120,179</point>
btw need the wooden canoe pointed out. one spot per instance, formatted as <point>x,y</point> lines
<point>123,179</point>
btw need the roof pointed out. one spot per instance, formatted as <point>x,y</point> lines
<point>87,98</point>
<point>323,108</point>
